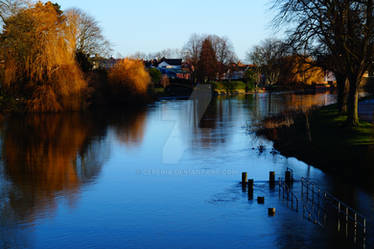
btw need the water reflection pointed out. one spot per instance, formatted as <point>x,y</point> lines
<point>67,180</point>
<point>45,156</point>
<point>52,155</point>
<point>129,127</point>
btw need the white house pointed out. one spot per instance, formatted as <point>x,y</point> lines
<point>170,64</point>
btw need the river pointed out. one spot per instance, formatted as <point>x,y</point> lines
<point>158,178</point>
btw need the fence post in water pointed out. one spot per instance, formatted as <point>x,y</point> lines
<point>271,211</point>
<point>272,177</point>
<point>244,178</point>
<point>250,189</point>
<point>260,199</point>
<point>250,185</point>
<point>364,227</point>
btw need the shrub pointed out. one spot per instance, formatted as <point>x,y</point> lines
<point>128,78</point>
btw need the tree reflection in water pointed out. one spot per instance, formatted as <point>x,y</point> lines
<point>52,155</point>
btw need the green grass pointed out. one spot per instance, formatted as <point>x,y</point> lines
<point>231,86</point>
<point>330,126</point>
<point>334,146</point>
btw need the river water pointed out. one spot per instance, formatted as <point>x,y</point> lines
<point>158,177</point>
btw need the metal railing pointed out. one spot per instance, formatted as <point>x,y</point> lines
<point>317,202</point>
<point>288,195</point>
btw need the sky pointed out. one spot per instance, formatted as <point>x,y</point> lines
<point>150,26</point>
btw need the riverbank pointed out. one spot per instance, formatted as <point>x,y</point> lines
<point>321,139</point>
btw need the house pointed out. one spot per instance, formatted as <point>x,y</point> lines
<point>170,64</point>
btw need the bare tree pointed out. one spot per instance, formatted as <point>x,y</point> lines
<point>167,53</point>
<point>224,53</point>
<point>341,29</point>
<point>267,57</point>
<point>191,53</point>
<point>10,7</point>
<point>87,33</point>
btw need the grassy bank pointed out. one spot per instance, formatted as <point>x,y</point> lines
<point>231,87</point>
<point>320,138</point>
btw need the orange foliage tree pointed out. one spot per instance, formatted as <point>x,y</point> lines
<point>128,78</point>
<point>40,66</point>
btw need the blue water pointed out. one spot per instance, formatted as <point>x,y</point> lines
<point>157,178</point>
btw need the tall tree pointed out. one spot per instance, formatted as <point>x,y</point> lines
<point>87,37</point>
<point>191,54</point>
<point>39,62</point>
<point>267,58</point>
<point>207,65</point>
<point>224,53</point>
<point>341,29</point>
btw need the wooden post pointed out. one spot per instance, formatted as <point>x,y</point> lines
<point>244,178</point>
<point>272,177</point>
<point>271,211</point>
<point>250,195</point>
<point>250,184</point>
<point>260,200</point>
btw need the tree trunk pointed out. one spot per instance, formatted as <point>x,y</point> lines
<point>342,95</point>
<point>353,101</point>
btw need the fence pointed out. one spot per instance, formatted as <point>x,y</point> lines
<point>318,204</point>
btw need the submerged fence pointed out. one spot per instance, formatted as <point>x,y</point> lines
<point>318,206</point>
<point>323,208</point>
<point>288,195</point>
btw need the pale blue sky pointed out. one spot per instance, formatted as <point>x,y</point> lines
<point>151,26</point>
